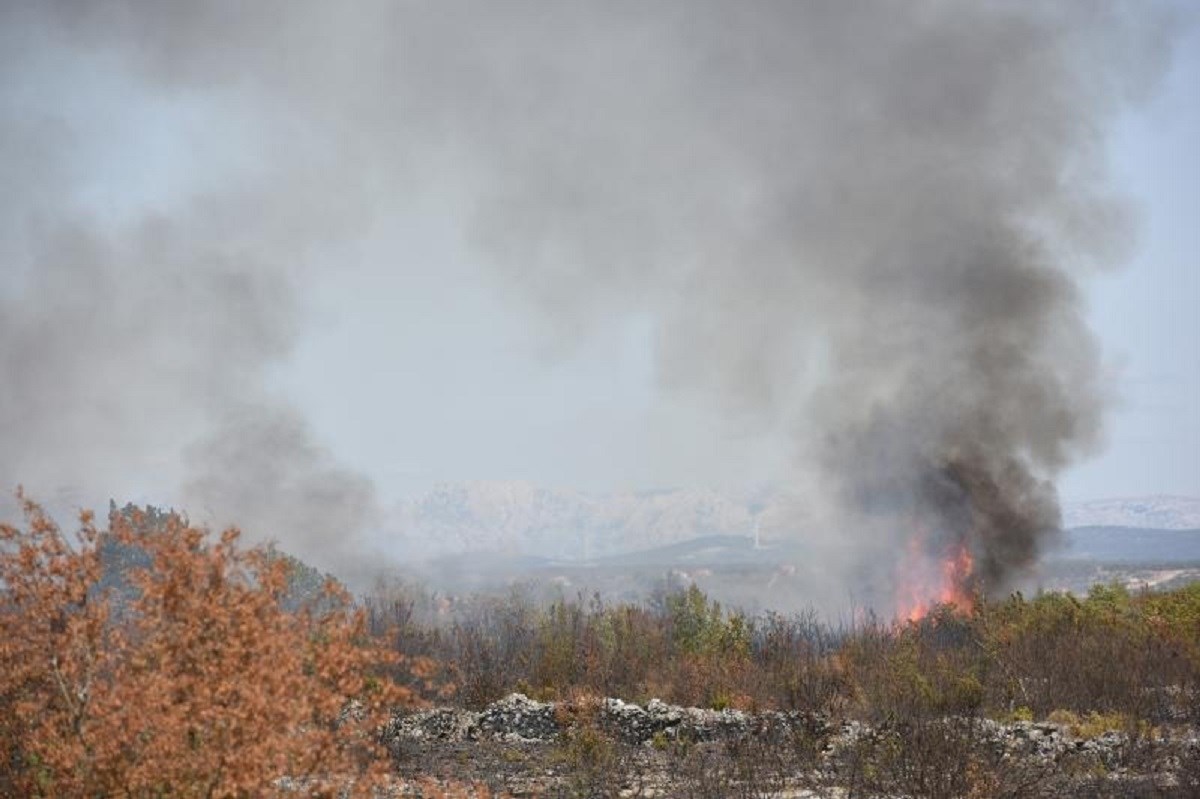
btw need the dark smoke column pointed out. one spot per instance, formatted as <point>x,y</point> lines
<point>865,221</point>
<point>949,417</point>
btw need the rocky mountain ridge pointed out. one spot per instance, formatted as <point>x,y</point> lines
<point>516,518</point>
<point>1161,512</point>
<point>520,518</point>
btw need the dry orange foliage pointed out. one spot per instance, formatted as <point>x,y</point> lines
<point>196,684</point>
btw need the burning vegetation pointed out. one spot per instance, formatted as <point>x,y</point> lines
<point>926,580</point>
<point>973,531</point>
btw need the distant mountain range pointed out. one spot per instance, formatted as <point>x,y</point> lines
<point>516,519</point>
<point>1160,512</point>
<point>1109,544</point>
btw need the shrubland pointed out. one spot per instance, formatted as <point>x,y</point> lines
<point>151,658</point>
<point>1049,696</point>
<point>1113,653</point>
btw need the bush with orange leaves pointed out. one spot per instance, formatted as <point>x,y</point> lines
<point>196,682</point>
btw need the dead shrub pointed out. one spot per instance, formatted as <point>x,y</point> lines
<point>192,682</point>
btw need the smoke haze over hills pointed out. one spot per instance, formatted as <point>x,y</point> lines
<point>521,519</point>
<point>858,229</point>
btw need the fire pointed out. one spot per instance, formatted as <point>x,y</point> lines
<point>926,581</point>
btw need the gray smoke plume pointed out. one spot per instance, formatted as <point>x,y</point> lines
<point>136,344</point>
<point>860,223</point>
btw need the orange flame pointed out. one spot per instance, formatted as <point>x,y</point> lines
<point>926,582</point>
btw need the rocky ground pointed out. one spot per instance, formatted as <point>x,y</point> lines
<point>615,748</point>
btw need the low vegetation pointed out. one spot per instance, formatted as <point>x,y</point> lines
<point>149,658</point>
<point>1112,654</point>
<point>942,707</point>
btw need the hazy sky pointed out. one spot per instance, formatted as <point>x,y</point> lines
<point>417,364</point>
<point>1148,313</point>
<point>420,370</point>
